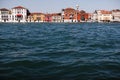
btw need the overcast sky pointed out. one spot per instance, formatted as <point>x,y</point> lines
<point>56,5</point>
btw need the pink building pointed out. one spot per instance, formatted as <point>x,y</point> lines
<point>48,18</point>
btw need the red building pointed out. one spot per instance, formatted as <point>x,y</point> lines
<point>82,16</point>
<point>72,15</point>
<point>69,15</point>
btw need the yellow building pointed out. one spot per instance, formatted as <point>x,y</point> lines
<point>36,17</point>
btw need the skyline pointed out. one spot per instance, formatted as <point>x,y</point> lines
<point>56,6</point>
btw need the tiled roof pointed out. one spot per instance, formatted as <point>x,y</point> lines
<point>105,12</point>
<point>19,7</point>
<point>82,11</point>
<point>117,10</point>
<point>4,9</point>
<point>69,9</point>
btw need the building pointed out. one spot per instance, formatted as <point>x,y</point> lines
<point>48,18</point>
<point>4,15</point>
<point>18,14</point>
<point>116,15</point>
<point>56,17</point>
<point>102,16</point>
<point>82,16</point>
<point>89,17</point>
<point>36,17</point>
<point>94,17</point>
<point>30,18</point>
<point>69,15</point>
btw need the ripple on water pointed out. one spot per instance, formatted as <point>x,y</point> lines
<point>59,51</point>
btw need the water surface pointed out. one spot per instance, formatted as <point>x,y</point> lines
<point>59,51</point>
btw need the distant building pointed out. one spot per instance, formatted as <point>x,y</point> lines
<point>30,18</point>
<point>56,17</point>
<point>89,17</point>
<point>19,14</point>
<point>69,15</point>
<point>94,17</point>
<point>82,16</point>
<point>4,15</point>
<point>36,17</point>
<point>48,17</point>
<point>102,16</point>
<point>116,15</point>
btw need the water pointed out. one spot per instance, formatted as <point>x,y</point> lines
<point>59,51</point>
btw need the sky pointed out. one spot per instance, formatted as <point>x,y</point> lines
<point>49,6</point>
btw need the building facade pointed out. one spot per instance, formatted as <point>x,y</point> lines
<point>82,16</point>
<point>104,16</point>
<point>48,18</point>
<point>94,17</point>
<point>116,15</point>
<point>69,15</point>
<point>36,17</point>
<point>18,14</point>
<point>4,15</point>
<point>56,17</point>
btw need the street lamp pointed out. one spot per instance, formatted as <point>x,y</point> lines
<point>77,7</point>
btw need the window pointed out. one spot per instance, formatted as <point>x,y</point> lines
<point>18,12</point>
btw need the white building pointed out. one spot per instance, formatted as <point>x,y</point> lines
<point>104,16</point>
<point>4,15</point>
<point>56,17</point>
<point>18,14</point>
<point>116,15</point>
<point>94,17</point>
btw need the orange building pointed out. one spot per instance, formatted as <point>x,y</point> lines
<point>36,17</point>
<point>82,16</point>
<point>69,15</point>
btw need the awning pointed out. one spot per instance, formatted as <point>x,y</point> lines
<point>19,15</point>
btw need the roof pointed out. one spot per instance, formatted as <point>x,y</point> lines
<point>117,10</point>
<point>4,9</point>
<point>69,9</point>
<point>48,14</point>
<point>82,11</point>
<point>105,12</point>
<point>19,7</point>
